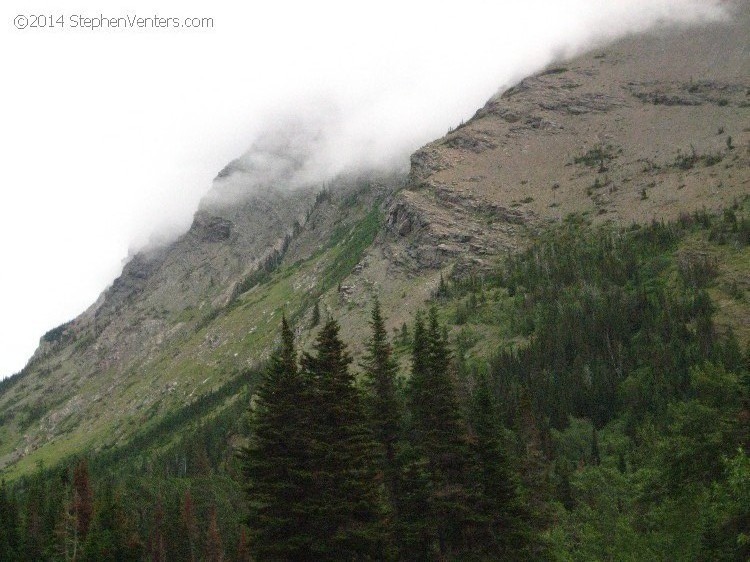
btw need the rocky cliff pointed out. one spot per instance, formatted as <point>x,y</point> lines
<point>652,127</point>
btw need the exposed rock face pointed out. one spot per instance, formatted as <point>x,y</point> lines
<point>636,132</point>
<point>207,228</point>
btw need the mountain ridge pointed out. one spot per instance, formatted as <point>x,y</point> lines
<point>597,136</point>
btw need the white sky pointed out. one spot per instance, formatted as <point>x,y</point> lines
<point>107,137</point>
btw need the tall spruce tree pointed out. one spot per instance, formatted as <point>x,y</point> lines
<point>506,530</point>
<point>346,507</point>
<point>10,538</point>
<point>439,435</point>
<point>83,499</point>
<point>414,530</point>
<point>383,404</point>
<point>276,463</point>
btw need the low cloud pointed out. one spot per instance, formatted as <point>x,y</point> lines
<point>111,138</point>
<point>373,113</point>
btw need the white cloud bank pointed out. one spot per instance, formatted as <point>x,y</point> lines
<point>108,136</point>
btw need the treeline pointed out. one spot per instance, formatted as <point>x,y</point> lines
<point>613,424</point>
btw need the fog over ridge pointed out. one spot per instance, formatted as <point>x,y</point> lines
<point>318,135</point>
<point>112,139</point>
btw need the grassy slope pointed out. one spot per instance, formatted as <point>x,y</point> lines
<point>224,344</point>
<point>479,325</point>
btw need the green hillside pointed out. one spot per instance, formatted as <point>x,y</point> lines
<point>616,361</point>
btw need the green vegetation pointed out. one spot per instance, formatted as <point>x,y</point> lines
<point>599,156</point>
<point>351,248</point>
<point>584,401</point>
<point>688,161</point>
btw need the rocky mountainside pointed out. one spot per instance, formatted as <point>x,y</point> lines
<point>646,129</point>
<point>641,130</point>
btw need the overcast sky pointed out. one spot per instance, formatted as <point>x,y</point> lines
<point>110,136</point>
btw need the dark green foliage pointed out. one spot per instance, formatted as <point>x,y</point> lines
<point>616,425</point>
<point>604,322</point>
<point>10,527</point>
<point>404,339</point>
<point>415,531</point>
<point>276,464</point>
<point>506,532</point>
<point>598,156</point>
<point>56,334</point>
<point>725,536</point>
<point>439,437</point>
<point>702,430</point>
<point>113,535</point>
<point>384,407</point>
<point>345,507</point>
<point>688,161</point>
<point>353,247</point>
<point>265,271</point>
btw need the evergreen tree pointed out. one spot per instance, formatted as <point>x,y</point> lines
<point>112,537</point>
<point>34,531</point>
<point>404,336</point>
<point>10,540</point>
<point>83,499</point>
<point>214,548</point>
<point>595,456</point>
<point>439,436</point>
<point>535,475</point>
<point>243,548</point>
<point>315,315</point>
<point>276,464</point>
<point>414,527</point>
<point>188,528</point>
<point>157,547</point>
<point>500,506</point>
<point>346,507</point>
<point>384,407</point>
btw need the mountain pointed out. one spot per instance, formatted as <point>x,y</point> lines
<point>651,128</point>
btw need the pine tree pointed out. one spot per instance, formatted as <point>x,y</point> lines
<point>415,531</point>
<point>112,537</point>
<point>188,527</point>
<point>384,407</point>
<point>243,548</point>
<point>276,464</point>
<point>595,457</point>
<point>157,547</point>
<point>83,499</point>
<point>346,507</point>
<point>439,436</point>
<point>214,548</point>
<point>404,336</point>
<point>315,315</point>
<point>10,540</point>
<point>535,475</point>
<point>33,532</point>
<point>500,505</point>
